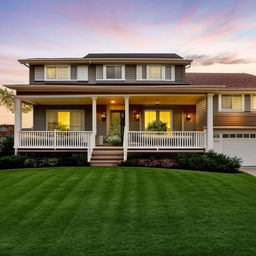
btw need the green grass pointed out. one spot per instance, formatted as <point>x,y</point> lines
<point>126,211</point>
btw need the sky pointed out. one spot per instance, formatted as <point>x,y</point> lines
<point>220,35</point>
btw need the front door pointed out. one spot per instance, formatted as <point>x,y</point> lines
<point>117,123</point>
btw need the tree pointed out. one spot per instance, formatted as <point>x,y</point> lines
<point>7,100</point>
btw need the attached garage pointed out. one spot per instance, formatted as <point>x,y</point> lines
<point>234,143</point>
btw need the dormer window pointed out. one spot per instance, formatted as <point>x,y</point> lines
<point>111,72</point>
<point>156,72</point>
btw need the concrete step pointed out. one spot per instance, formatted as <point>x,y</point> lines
<point>107,153</point>
<point>106,157</point>
<point>104,163</point>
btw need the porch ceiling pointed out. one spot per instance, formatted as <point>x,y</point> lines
<point>166,100</point>
<point>113,100</point>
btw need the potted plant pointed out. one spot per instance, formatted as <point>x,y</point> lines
<point>157,126</point>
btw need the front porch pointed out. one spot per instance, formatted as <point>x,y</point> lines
<point>188,119</point>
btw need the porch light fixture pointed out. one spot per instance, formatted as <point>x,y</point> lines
<point>112,101</point>
<point>137,116</point>
<point>188,116</point>
<point>103,116</point>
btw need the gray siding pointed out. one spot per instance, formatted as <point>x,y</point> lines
<point>246,118</point>
<point>92,74</point>
<point>39,115</point>
<point>179,73</point>
<point>130,73</point>
<point>99,71</point>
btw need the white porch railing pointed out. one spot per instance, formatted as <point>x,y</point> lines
<point>57,140</point>
<point>162,140</point>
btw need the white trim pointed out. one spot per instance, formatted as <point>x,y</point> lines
<point>65,110</point>
<point>111,79</point>
<point>139,73</point>
<point>17,122</point>
<point>220,109</point>
<point>209,130</point>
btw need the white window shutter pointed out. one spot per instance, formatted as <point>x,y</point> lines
<point>82,73</point>
<point>139,72</point>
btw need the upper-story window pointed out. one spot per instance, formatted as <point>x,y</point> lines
<point>231,103</point>
<point>156,72</point>
<point>253,102</point>
<point>111,72</point>
<point>61,73</point>
<point>57,72</point>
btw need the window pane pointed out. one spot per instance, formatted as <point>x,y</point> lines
<point>237,102</point>
<point>226,102</point>
<point>51,73</point>
<point>155,72</point>
<point>143,72</point>
<point>168,72</point>
<point>150,116</point>
<point>165,117</point>
<point>63,121</point>
<point>254,101</point>
<point>63,72</point>
<point>114,72</point>
<point>76,123</point>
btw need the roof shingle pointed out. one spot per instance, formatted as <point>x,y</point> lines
<point>230,80</point>
<point>134,55</point>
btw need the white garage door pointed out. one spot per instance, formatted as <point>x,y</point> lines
<point>240,144</point>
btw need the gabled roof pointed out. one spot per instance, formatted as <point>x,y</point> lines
<point>134,55</point>
<point>230,80</point>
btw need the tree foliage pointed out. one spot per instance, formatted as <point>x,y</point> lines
<point>7,100</point>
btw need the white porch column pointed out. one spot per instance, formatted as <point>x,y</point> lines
<point>209,121</point>
<point>94,114</point>
<point>17,123</point>
<point>126,107</point>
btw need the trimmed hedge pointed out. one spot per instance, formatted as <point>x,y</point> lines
<point>35,161</point>
<point>209,161</point>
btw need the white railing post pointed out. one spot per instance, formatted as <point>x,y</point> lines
<point>55,139</point>
<point>17,124</point>
<point>126,114</point>
<point>94,119</point>
<point>209,121</point>
<point>125,143</point>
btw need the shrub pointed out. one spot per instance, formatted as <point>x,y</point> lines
<point>41,162</point>
<point>113,139</point>
<point>6,146</point>
<point>157,126</point>
<point>10,162</point>
<point>209,161</point>
<point>161,163</point>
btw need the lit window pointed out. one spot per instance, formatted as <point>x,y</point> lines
<point>51,73</point>
<point>155,72</point>
<point>58,72</point>
<point>231,102</point>
<point>254,102</point>
<point>164,116</point>
<point>65,120</point>
<point>63,72</point>
<point>150,116</point>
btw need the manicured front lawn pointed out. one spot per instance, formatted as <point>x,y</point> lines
<point>126,211</point>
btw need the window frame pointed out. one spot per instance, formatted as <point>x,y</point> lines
<point>104,78</point>
<point>66,110</point>
<point>57,73</point>
<point>220,109</point>
<point>139,68</point>
<point>251,103</point>
<point>158,116</point>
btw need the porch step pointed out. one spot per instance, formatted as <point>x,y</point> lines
<point>106,156</point>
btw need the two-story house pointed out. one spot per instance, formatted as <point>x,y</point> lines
<point>78,102</point>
